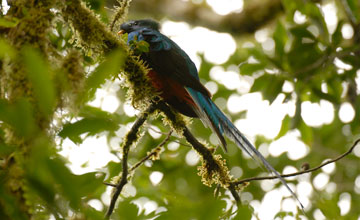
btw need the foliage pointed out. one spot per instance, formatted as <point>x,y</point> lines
<point>51,68</point>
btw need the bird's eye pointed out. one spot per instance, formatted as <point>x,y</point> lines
<point>136,23</point>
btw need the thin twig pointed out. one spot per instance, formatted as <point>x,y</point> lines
<point>348,12</point>
<point>300,172</point>
<point>326,58</point>
<point>200,148</point>
<point>131,137</point>
<point>154,130</point>
<point>234,192</point>
<point>121,12</point>
<point>164,133</point>
<point>109,184</point>
<point>152,153</point>
<point>351,17</point>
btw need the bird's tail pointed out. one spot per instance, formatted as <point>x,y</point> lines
<point>214,118</point>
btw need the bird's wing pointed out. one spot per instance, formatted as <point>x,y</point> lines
<point>167,58</point>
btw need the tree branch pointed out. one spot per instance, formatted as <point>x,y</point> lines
<point>201,149</point>
<point>215,169</point>
<point>154,153</point>
<point>300,172</point>
<point>130,138</point>
<point>352,19</point>
<point>254,15</point>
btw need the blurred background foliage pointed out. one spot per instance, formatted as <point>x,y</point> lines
<point>48,77</point>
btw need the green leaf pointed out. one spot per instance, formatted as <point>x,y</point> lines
<point>269,85</point>
<point>301,31</point>
<point>143,46</point>
<point>93,112</point>
<point>180,207</point>
<point>250,68</point>
<point>92,126</point>
<point>6,50</point>
<point>280,37</point>
<point>86,184</point>
<point>337,38</point>
<point>8,22</point>
<point>126,210</point>
<point>285,126</point>
<point>44,189</point>
<point>258,54</point>
<point>329,208</point>
<point>306,132</point>
<point>92,214</point>
<point>354,6</point>
<point>109,68</point>
<point>314,12</point>
<point>282,215</point>
<point>309,53</point>
<point>9,209</point>
<point>40,181</point>
<point>73,187</point>
<point>243,213</point>
<point>334,98</point>
<point>49,176</point>
<point>114,169</point>
<point>40,76</point>
<point>290,8</point>
<point>19,115</point>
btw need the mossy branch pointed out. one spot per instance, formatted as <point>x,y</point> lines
<point>130,138</point>
<point>32,29</point>
<point>96,36</point>
<point>213,169</point>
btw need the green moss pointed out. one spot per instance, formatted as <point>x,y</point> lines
<point>70,80</point>
<point>140,91</point>
<point>155,153</point>
<point>218,174</point>
<point>120,12</point>
<point>84,21</point>
<point>34,21</point>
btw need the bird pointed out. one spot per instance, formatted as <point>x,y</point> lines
<point>174,75</point>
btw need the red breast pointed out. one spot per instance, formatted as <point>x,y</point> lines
<point>169,88</point>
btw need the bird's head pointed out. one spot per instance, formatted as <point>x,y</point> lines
<point>131,26</point>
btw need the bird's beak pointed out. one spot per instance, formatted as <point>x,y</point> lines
<point>121,32</point>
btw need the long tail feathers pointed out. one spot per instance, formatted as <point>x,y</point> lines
<point>213,117</point>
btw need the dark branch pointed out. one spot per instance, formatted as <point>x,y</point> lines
<point>252,17</point>
<point>234,192</point>
<point>200,148</point>
<point>154,152</point>
<point>300,172</point>
<point>131,137</point>
<point>164,133</point>
<point>351,17</point>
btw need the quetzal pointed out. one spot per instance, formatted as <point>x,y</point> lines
<point>175,76</point>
